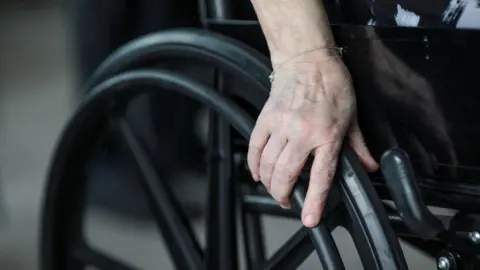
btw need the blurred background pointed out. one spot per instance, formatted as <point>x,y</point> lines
<point>36,83</point>
<point>38,92</point>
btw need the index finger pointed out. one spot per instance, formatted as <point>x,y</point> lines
<point>321,177</point>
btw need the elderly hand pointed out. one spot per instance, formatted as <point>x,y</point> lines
<point>310,110</point>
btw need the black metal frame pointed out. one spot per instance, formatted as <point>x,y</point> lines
<point>354,202</point>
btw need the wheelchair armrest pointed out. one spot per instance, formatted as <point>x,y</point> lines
<point>400,179</point>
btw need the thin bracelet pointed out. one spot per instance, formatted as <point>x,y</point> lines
<point>339,50</point>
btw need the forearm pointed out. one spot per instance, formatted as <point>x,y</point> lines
<point>293,26</point>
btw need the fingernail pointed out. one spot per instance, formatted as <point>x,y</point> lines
<point>309,220</point>
<point>255,177</point>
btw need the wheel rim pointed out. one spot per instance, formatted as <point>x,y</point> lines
<point>228,54</point>
<point>114,93</point>
<point>116,90</point>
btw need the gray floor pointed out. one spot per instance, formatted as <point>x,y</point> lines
<point>36,82</point>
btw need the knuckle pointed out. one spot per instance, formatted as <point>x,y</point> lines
<point>261,126</point>
<point>255,142</point>
<point>267,163</point>
<point>335,132</point>
<point>320,195</point>
<point>285,176</point>
<point>254,152</point>
<point>329,134</point>
<point>331,170</point>
<point>330,175</point>
<point>326,175</point>
<point>257,137</point>
<point>300,143</point>
<point>289,179</point>
<point>267,159</point>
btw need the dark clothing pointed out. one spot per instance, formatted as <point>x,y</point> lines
<point>424,13</point>
<point>409,13</point>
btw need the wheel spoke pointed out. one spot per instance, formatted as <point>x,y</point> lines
<point>293,253</point>
<point>89,257</point>
<point>174,226</point>
<point>221,223</point>
<point>252,228</point>
<point>262,203</point>
<point>253,238</point>
<point>321,237</point>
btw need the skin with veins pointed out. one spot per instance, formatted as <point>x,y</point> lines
<point>311,108</point>
<point>293,27</point>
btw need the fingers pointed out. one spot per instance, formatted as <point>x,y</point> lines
<point>269,156</point>
<point>321,176</point>
<point>286,171</point>
<point>258,140</point>
<point>357,142</point>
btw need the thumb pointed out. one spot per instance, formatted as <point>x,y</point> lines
<point>357,142</point>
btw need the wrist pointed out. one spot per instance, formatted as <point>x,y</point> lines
<point>306,56</point>
<point>309,68</point>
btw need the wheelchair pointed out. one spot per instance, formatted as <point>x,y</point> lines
<point>436,130</point>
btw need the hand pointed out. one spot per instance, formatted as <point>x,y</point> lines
<point>310,110</point>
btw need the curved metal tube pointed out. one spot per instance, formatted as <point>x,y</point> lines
<point>368,216</point>
<point>320,235</point>
<point>120,87</point>
<point>400,178</point>
<point>228,54</point>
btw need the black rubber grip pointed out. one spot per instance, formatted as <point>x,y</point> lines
<point>400,179</point>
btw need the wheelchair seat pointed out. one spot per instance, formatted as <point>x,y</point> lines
<point>416,108</point>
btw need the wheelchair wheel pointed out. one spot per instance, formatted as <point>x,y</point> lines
<point>353,203</point>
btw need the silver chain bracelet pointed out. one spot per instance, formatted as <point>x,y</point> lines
<point>339,50</point>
